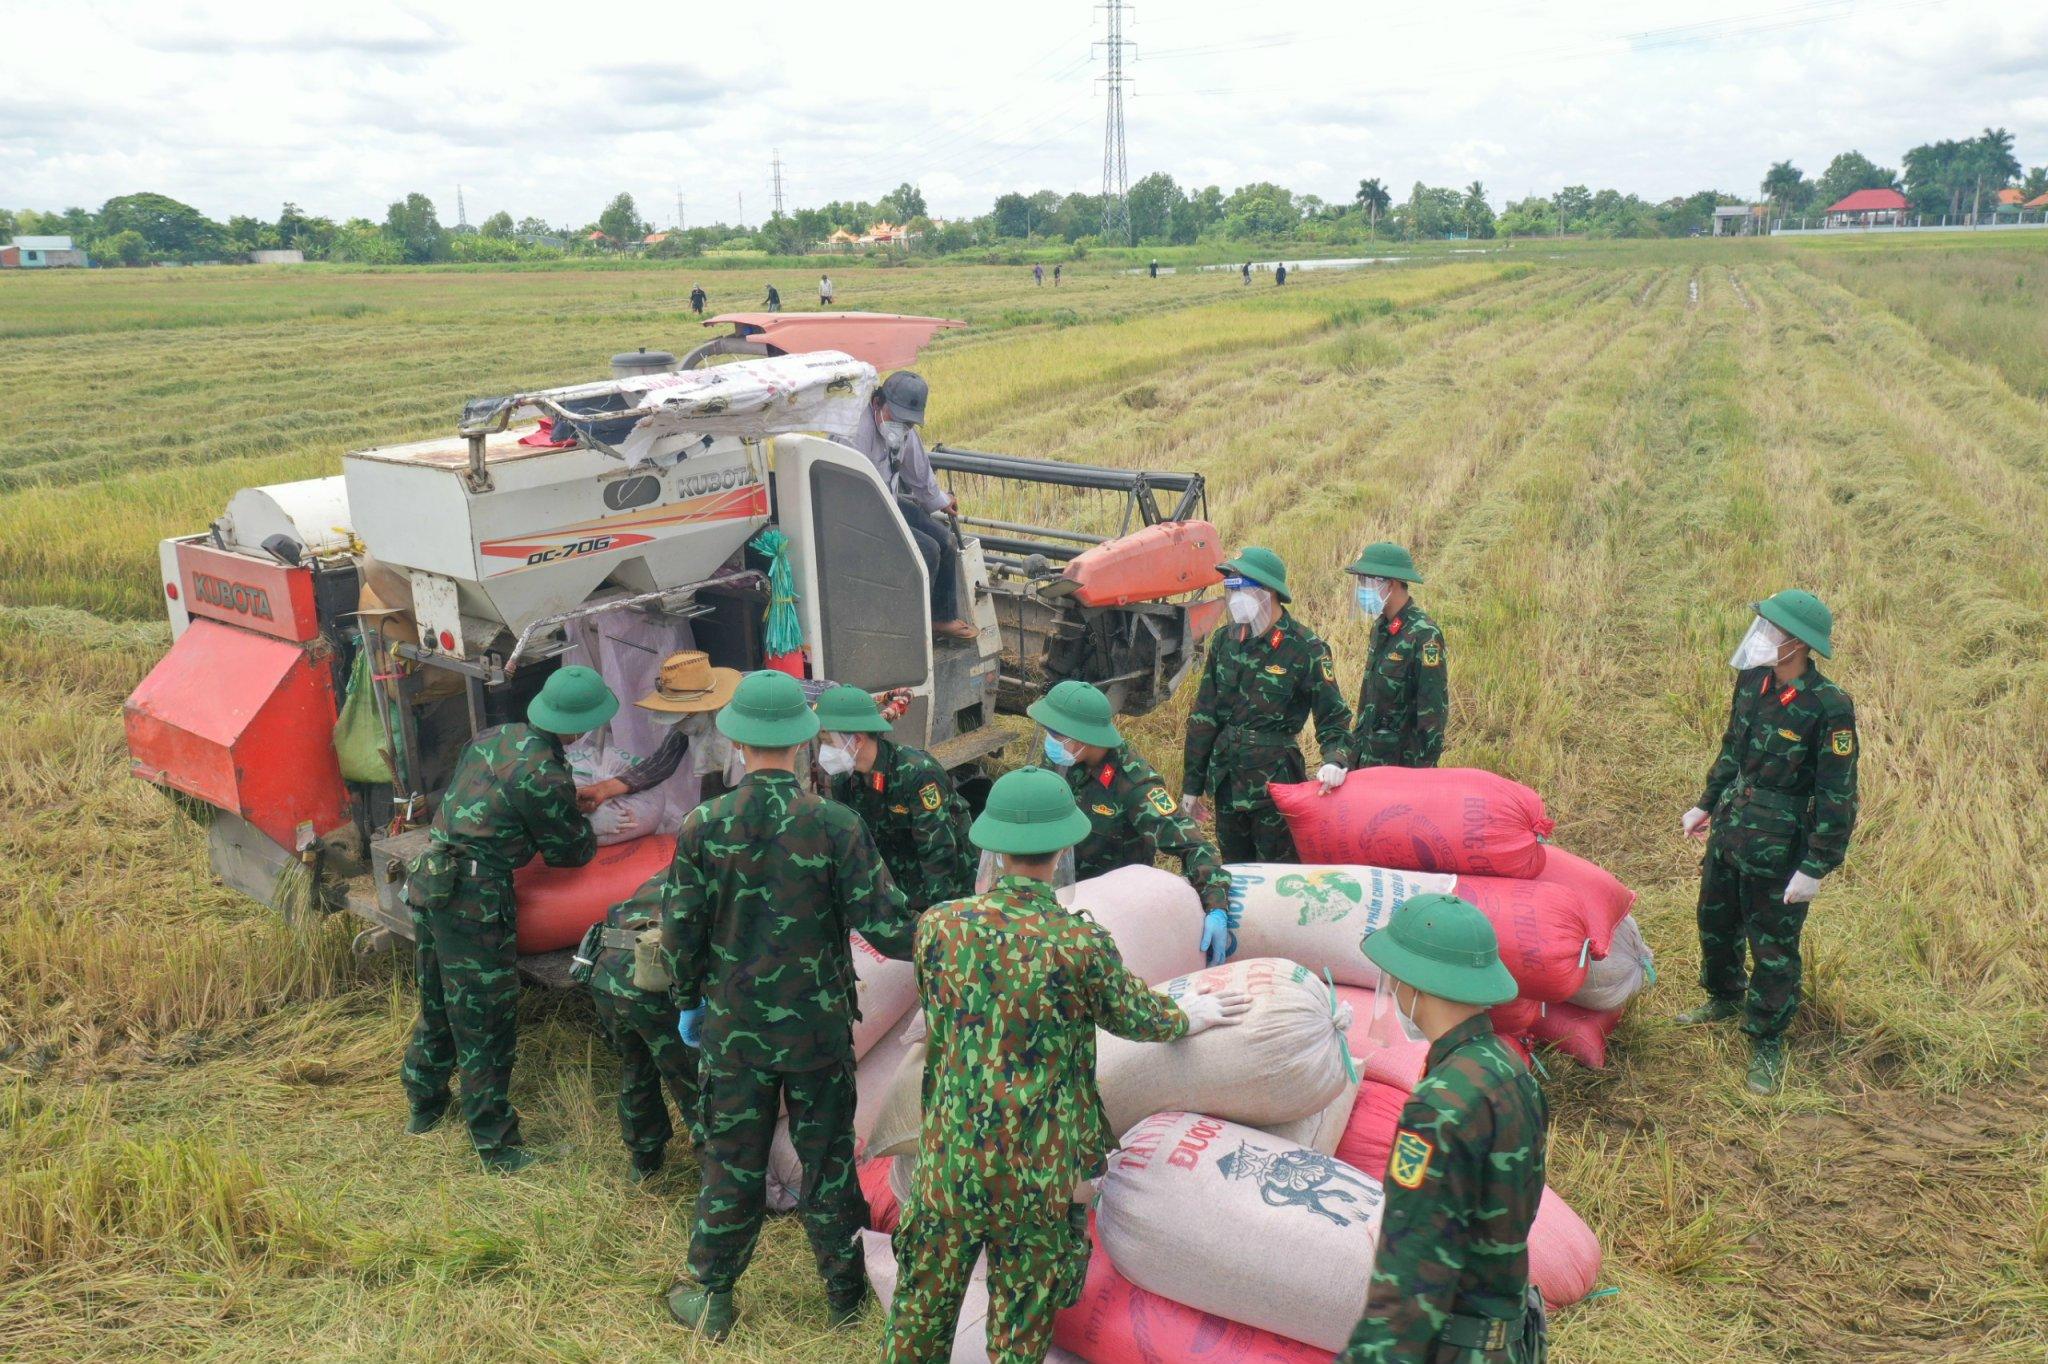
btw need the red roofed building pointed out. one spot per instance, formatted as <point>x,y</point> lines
<point>1867,208</point>
<point>2038,201</point>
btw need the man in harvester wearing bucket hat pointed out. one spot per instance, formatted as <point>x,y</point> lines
<point>1776,817</point>
<point>1013,986</point>
<point>1265,675</point>
<point>1450,1281</point>
<point>510,796</point>
<point>768,879</point>
<point>687,693</point>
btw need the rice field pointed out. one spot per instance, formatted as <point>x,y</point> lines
<point>1600,455</point>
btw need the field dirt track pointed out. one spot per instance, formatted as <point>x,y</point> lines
<point>1600,454</point>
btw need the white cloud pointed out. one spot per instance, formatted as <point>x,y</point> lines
<point>239,106</point>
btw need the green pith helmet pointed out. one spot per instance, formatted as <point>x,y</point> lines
<point>768,710</point>
<point>1031,813</point>
<point>1385,559</point>
<point>574,701</point>
<point>1443,946</point>
<point>1802,616</point>
<point>849,710</point>
<point>1078,711</point>
<point>1262,566</point>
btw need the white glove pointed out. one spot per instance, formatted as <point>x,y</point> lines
<point>1693,823</point>
<point>1221,1010</point>
<point>1331,775</point>
<point>1800,889</point>
<point>1195,808</point>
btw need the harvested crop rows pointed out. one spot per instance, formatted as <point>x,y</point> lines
<point>199,1149</point>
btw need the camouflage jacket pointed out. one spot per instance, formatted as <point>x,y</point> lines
<point>1783,790</point>
<point>918,820</point>
<point>768,881</point>
<point>509,797</point>
<point>1404,697</point>
<point>1462,1186</point>
<point>1134,819</point>
<point>611,972</point>
<point>1014,986</point>
<point>1257,691</point>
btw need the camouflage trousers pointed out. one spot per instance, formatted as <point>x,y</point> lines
<point>1035,1270</point>
<point>641,1028</point>
<point>739,1106</point>
<point>1256,835</point>
<point>1249,827</point>
<point>1742,910</point>
<point>465,965</point>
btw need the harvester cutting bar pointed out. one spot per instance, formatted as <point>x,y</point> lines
<point>1139,484</point>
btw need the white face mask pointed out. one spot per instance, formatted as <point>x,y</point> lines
<point>1387,1010</point>
<point>1246,605</point>
<point>894,433</point>
<point>1760,647</point>
<point>836,760</point>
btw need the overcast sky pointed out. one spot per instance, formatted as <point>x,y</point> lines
<point>238,107</point>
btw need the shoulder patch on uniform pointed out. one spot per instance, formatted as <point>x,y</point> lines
<point>1433,654</point>
<point>1161,803</point>
<point>929,796</point>
<point>1325,666</point>
<point>1410,1159</point>
<point>1842,742</point>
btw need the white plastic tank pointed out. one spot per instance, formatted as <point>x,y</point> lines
<point>313,512</point>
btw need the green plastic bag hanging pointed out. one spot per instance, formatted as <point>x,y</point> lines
<point>785,631</point>
<point>359,740</point>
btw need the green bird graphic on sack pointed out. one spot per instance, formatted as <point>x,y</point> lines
<point>1326,896</point>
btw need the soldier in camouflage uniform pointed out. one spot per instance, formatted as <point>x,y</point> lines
<point>1777,813</point>
<point>640,1023</point>
<point>1266,673</point>
<point>918,820</point>
<point>1404,697</point>
<point>1014,986</point>
<point>768,881</point>
<point>1450,1280</point>
<point>511,795</point>
<point>1131,817</point>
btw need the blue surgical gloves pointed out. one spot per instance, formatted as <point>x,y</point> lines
<point>690,1026</point>
<point>1216,942</point>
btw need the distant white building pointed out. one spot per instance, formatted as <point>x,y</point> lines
<point>41,253</point>
<point>293,256</point>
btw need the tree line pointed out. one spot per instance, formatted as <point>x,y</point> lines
<point>1953,177</point>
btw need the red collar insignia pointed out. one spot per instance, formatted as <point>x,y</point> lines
<point>1273,640</point>
<point>876,779</point>
<point>1785,696</point>
<point>1394,626</point>
<point>1107,775</point>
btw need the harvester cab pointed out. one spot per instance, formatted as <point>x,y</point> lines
<point>430,588</point>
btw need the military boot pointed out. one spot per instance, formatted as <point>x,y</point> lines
<point>843,1304</point>
<point>1767,1067</point>
<point>646,1165</point>
<point>425,1120</point>
<point>1712,1011</point>
<point>709,1314</point>
<point>509,1160</point>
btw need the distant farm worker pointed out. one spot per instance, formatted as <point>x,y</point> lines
<point>1450,1280</point>
<point>917,819</point>
<point>1280,273</point>
<point>697,299</point>
<point>1266,674</point>
<point>1056,273</point>
<point>824,291</point>
<point>687,693</point>
<point>1404,697</point>
<point>1247,272</point>
<point>510,796</point>
<point>1013,987</point>
<point>888,436</point>
<point>1038,274</point>
<point>1155,267</point>
<point>1776,817</point>
<point>1131,818</point>
<point>773,303</point>
<point>767,882</point>
<point>619,959</point>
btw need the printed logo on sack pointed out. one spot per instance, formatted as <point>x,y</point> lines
<point>1326,896</point>
<point>229,595</point>
<point>1303,1179</point>
<point>607,534</point>
<point>1410,1160</point>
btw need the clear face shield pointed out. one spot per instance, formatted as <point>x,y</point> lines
<point>1059,750</point>
<point>1248,603</point>
<point>1390,1025</point>
<point>991,869</point>
<point>1761,646</point>
<point>1372,596</point>
<point>838,754</point>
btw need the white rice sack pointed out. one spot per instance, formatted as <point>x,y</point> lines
<point>884,988</point>
<point>872,1076</point>
<point>970,1337</point>
<point>1283,1061</point>
<point>1619,976</point>
<point>1322,1131</point>
<point>1154,916</point>
<point>621,818</point>
<point>1319,915</point>
<point>1229,1220</point>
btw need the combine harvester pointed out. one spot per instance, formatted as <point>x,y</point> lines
<point>468,566</point>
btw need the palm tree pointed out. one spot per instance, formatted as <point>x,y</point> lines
<point>1373,198</point>
<point>1782,184</point>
